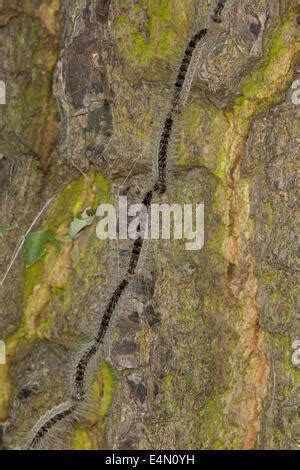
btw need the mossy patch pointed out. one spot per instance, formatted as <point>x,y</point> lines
<point>225,312</point>
<point>89,435</point>
<point>31,114</point>
<point>48,290</point>
<point>227,130</point>
<point>81,439</point>
<point>162,23</point>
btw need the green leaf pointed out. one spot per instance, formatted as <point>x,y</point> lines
<point>86,218</point>
<point>35,246</point>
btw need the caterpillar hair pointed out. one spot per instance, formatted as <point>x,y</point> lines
<point>83,362</point>
<point>80,371</point>
<point>90,353</point>
<point>189,76</point>
<point>185,64</point>
<point>47,422</point>
<point>138,243</point>
<point>182,88</point>
<point>110,309</point>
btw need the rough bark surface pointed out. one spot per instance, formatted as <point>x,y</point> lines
<point>198,354</point>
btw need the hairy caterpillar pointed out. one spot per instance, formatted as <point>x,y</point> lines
<point>180,94</point>
<point>46,422</point>
<point>138,243</point>
<point>185,65</point>
<point>159,187</point>
<point>176,106</point>
<point>82,364</point>
<point>80,371</point>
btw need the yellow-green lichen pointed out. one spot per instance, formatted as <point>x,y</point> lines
<point>104,394</point>
<point>48,13</point>
<point>229,129</point>
<point>151,30</point>
<point>32,101</point>
<point>81,439</point>
<point>48,283</point>
<point>221,154</point>
<point>211,424</point>
<point>88,436</point>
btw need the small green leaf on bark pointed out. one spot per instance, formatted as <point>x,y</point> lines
<point>35,246</point>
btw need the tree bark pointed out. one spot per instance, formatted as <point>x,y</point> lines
<point>199,351</point>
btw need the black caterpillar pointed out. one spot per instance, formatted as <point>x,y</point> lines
<point>82,364</point>
<point>44,425</point>
<point>80,372</point>
<point>161,186</point>
<point>185,64</point>
<point>60,412</point>
<point>138,243</point>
